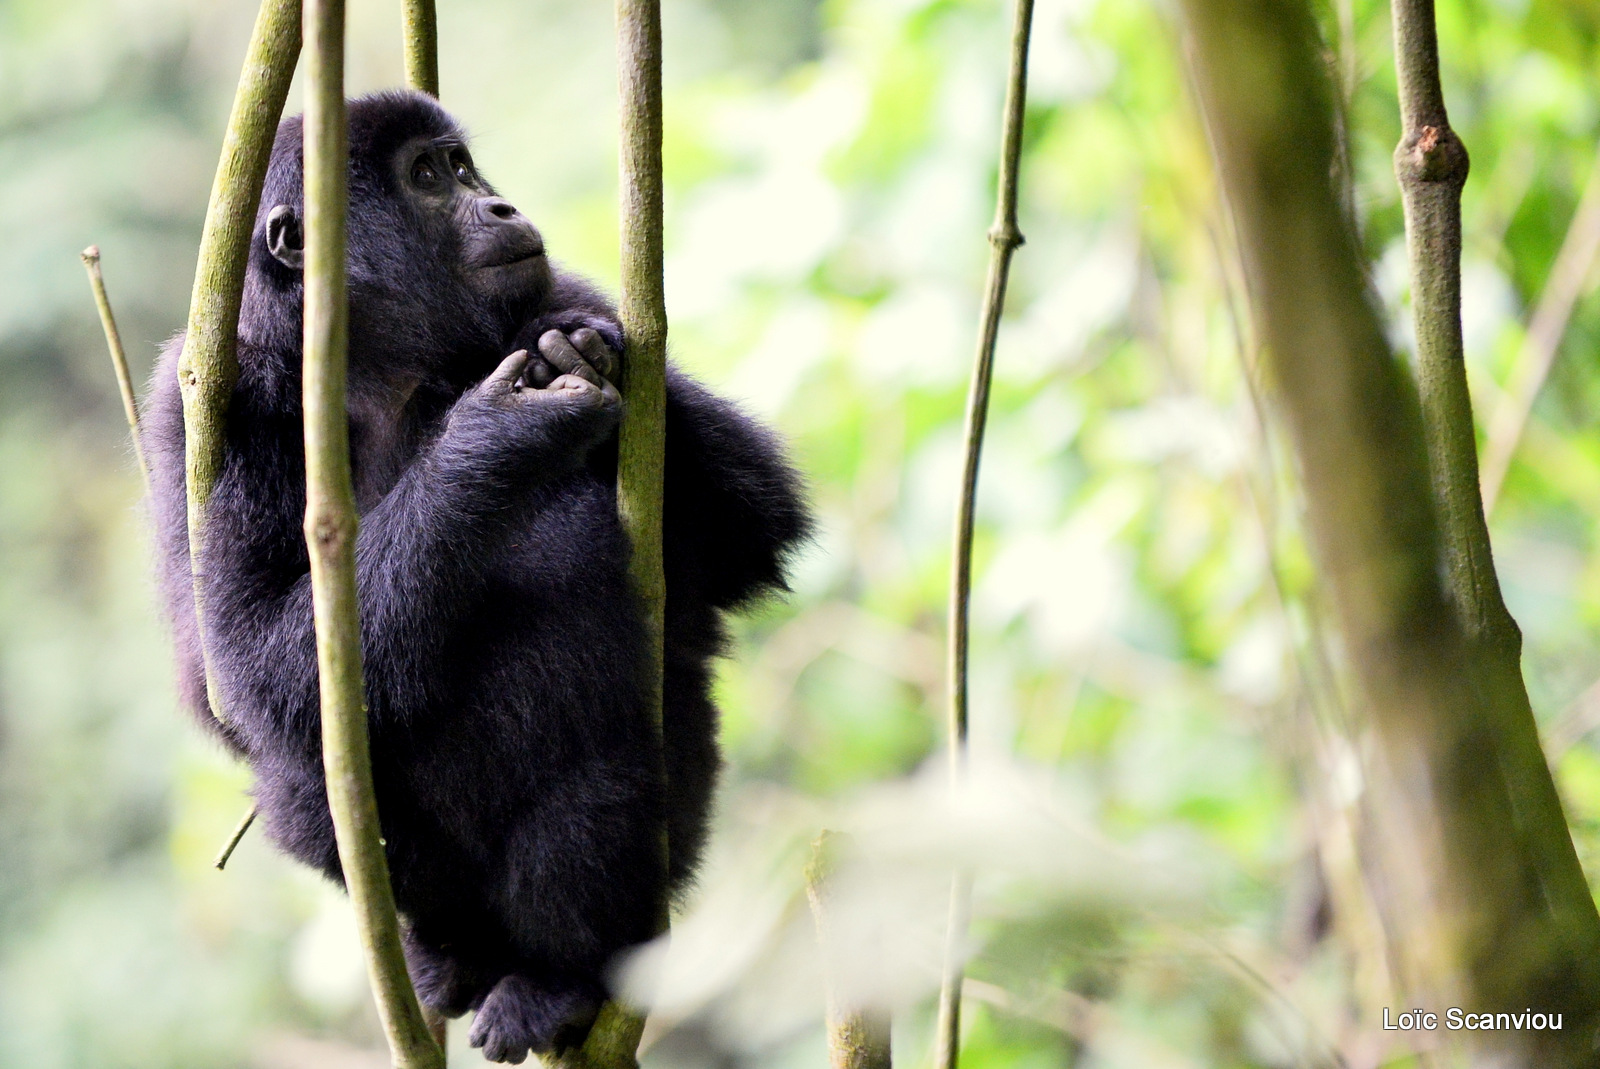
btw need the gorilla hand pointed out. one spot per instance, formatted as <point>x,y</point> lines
<point>575,353</point>
<point>540,429</point>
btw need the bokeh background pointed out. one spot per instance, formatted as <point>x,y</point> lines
<point>1158,814</point>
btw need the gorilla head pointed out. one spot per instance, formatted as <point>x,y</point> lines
<point>442,270</point>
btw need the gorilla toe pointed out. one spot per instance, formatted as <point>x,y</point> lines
<point>521,1015</point>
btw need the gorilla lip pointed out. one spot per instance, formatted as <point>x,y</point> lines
<point>516,256</point>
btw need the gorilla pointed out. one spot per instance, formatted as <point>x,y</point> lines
<point>505,650</point>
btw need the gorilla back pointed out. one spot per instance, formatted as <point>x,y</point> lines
<point>504,648</point>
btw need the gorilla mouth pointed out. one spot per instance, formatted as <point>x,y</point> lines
<point>506,249</point>
<point>512,257</point>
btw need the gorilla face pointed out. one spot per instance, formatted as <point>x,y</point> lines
<point>501,252</point>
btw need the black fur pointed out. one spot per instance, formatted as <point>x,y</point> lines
<point>503,645</point>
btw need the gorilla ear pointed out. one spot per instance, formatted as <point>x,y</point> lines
<point>285,240</point>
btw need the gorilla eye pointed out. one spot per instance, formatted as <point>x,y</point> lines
<point>423,174</point>
<point>462,169</point>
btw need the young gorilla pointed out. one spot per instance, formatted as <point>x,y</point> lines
<point>504,649</point>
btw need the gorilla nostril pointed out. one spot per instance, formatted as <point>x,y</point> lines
<point>500,209</point>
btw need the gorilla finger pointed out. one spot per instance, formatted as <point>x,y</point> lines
<point>505,376</point>
<point>596,351</point>
<point>573,386</point>
<point>539,373</point>
<point>555,347</point>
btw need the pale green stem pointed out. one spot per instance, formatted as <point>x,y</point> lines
<point>1567,282</point>
<point>119,358</point>
<point>422,46</point>
<point>232,844</point>
<point>858,1038</point>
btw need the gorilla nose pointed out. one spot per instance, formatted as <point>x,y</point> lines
<point>492,208</point>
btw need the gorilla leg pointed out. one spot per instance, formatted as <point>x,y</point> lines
<point>448,978</point>
<point>583,875</point>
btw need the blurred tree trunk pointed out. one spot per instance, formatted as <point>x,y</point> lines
<point>1484,903</point>
<point>1431,166</point>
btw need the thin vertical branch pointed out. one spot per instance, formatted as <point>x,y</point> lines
<point>330,528</point>
<point>119,358</point>
<point>1004,239</point>
<point>641,463</point>
<point>1431,165</point>
<point>422,46</point>
<point>857,1038</point>
<point>421,28</point>
<point>208,367</point>
<point>1482,897</point>
<point>641,453</point>
<point>947,1026</point>
<point>1568,277</point>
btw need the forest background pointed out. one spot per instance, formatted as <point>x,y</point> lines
<point>1156,815</point>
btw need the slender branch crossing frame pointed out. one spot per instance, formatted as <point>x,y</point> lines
<point>1005,237</point>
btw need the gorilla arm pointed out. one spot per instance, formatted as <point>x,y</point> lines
<point>735,508</point>
<point>418,555</point>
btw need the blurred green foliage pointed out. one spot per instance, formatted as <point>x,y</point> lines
<point>1159,809</point>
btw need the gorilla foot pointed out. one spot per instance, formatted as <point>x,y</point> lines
<point>521,1015</point>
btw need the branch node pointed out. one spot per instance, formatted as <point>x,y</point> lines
<point>1432,154</point>
<point>1006,236</point>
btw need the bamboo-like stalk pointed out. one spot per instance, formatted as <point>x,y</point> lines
<point>208,367</point>
<point>1482,898</point>
<point>422,46</point>
<point>857,1038</point>
<point>613,1042</point>
<point>330,528</point>
<point>119,357</point>
<point>1004,239</point>
<point>1431,166</point>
